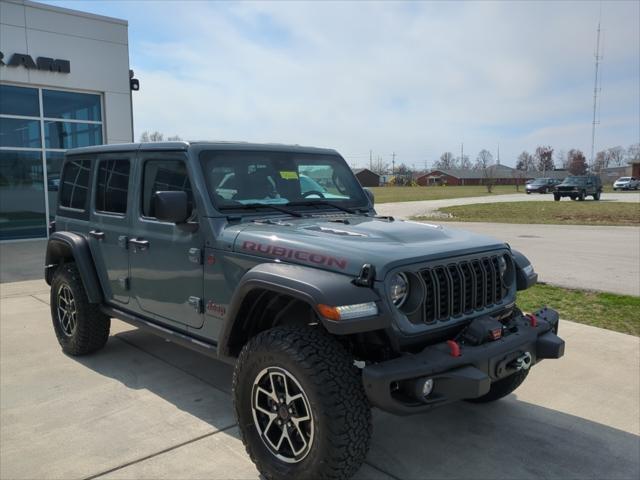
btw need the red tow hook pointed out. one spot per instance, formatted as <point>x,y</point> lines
<point>533,319</point>
<point>454,348</point>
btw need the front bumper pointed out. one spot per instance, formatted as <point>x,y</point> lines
<point>466,376</point>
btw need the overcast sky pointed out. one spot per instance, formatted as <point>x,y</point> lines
<point>412,78</point>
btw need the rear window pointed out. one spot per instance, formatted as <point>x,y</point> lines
<point>112,186</point>
<point>74,186</point>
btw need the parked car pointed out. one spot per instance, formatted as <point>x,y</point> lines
<point>541,185</point>
<point>324,308</point>
<point>578,188</point>
<point>626,183</point>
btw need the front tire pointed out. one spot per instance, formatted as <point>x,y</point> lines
<point>300,405</point>
<point>556,197</point>
<point>80,326</point>
<point>596,196</point>
<point>502,388</point>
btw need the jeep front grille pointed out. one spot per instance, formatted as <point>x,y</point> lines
<point>458,288</point>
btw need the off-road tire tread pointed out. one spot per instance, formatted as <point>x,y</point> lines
<point>330,367</point>
<point>502,388</point>
<point>92,331</point>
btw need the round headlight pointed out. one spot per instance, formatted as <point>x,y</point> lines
<point>399,289</point>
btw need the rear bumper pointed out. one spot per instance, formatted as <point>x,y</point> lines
<point>467,376</point>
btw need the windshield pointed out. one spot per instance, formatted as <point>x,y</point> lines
<point>539,181</point>
<point>242,178</point>
<point>575,181</point>
<point>624,179</point>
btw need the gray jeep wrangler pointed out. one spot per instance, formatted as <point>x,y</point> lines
<point>272,258</point>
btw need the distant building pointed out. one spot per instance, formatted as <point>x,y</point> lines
<point>366,177</point>
<point>635,168</point>
<point>498,174</point>
<point>611,174</point>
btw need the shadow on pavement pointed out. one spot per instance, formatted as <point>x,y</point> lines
<point>509,439</point>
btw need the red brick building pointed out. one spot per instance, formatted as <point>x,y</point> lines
<point>498,174</point>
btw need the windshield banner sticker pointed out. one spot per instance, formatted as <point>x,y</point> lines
<point>289,175</point>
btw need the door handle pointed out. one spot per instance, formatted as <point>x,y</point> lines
<point>97,234</point>
<point>139,244</point>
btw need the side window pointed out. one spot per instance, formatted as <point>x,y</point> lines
<point>164,175</point>
<point>112,185</point>
<point>74,185</point>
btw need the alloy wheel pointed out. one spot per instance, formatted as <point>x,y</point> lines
<point>282,414</point>
<point>67,310</point>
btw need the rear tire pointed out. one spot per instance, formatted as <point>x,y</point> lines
<point>331,439</point>
<point>80,326</point>
<point>596,196</point>
<point>582,197</point>
<point>556,197</point>
<point>502,388</point>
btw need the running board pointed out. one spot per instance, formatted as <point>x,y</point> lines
<point>208,349</point>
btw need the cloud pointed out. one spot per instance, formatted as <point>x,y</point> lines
<point>414,78</point>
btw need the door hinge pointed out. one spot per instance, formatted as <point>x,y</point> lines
<point>196,303</point>
<point>195,256</point>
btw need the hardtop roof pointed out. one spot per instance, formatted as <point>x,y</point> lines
<point>199,145</point>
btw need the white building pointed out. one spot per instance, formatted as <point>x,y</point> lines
<point>64,83</point>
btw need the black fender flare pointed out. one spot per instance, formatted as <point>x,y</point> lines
<point>526,277</point>
<point>310,285</point>
<point>64,246</point>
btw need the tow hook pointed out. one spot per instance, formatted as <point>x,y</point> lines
<point>523,362</point>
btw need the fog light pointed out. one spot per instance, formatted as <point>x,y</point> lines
<point>426,387</point>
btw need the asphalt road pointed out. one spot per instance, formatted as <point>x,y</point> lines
<point>146,408</point>
<point>427,207</point>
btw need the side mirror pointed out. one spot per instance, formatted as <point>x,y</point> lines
<point>170,206</point>
<point>370,196</point>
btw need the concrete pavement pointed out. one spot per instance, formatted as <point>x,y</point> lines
<point>427,207</point>
<point>146,408</point>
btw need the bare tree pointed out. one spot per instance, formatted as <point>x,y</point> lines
<point>616,156</point>
<point>151,137</point>
<point>577,162</point>
<point>484,162</point>
<point>544,158</point>
<point>157,137</point>
<point>562,159</point>
<point>602,161</point>
<point>464,162</point>
<point>446,162</point>
<point>379,166</point>
<point>525,162</point>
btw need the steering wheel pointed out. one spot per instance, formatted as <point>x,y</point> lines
<point>313,192</point>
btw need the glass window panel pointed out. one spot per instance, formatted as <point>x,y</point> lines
<point>164,175</point>
<point>22,206</point>
<point>17,132</point>
<point>74,185</point>
<point>71,105</point>
<point>19,101</point>
<point>112,186</point>
<point>54,166</point>
<point>72,135</point>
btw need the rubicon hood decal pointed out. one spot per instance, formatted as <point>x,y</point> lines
<point>283,253</point>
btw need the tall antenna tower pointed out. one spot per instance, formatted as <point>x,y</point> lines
<point>596,90</point>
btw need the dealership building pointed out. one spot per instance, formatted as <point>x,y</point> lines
<point>64,83</point>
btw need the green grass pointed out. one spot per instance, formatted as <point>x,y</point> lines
<point>620,313</point>
<point>410,194</point>
<point>565,212</point>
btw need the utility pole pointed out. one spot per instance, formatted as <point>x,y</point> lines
<point>498,154</point>
<point>461,154</point>
<point>596,89</point>
<point>393,163</point>
<point>371,160</point>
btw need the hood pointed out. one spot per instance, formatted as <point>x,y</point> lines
<point>345,243</point>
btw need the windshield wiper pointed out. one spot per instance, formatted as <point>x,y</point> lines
<point>310,203</point>
<point>248,206</point>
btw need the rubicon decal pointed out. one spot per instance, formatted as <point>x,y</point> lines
<point>290,253</point>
